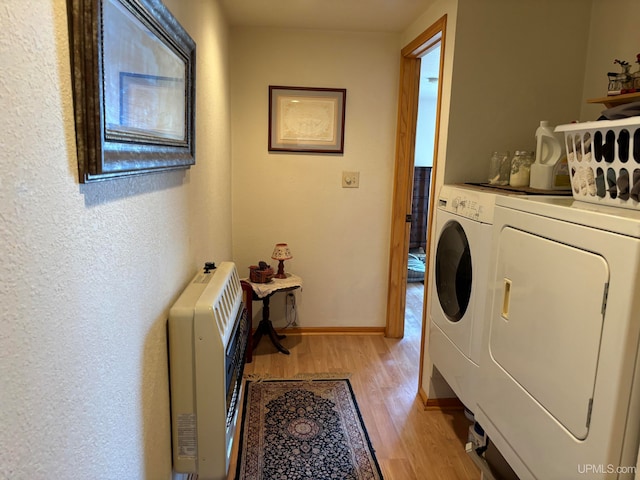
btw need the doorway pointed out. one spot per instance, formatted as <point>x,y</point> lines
<point>421,192</point>
<point>429,41</point>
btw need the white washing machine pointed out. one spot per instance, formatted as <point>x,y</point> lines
<point>464,220</point>
<point>559,368</point>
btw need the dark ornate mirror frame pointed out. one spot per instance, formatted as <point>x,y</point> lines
<point>133,68</point>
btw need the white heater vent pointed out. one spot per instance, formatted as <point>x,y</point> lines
<point>208,332</point>
<point>229,296</point>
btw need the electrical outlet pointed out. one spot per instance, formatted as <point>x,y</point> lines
<point>350,179</point>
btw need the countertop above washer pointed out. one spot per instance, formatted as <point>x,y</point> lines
<point>612,219</point>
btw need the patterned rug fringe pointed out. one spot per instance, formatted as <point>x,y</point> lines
<point>259,377</point>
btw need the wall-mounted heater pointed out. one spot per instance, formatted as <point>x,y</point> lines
<point>208,331</point>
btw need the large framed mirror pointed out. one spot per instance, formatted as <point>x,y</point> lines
<point>134,88</point>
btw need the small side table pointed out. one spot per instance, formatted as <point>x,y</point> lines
<point>264,291</point>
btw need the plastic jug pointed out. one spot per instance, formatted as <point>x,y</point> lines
<point>548,152</point>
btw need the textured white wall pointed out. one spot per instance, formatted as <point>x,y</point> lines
<point>88,272</point>
<point>339,237</point>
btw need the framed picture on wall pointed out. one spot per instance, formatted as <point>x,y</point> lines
<point>134,88</point>
<point>305,119</point>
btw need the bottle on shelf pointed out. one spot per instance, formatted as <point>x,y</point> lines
<point>548,152</point>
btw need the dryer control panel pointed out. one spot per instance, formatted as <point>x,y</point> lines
<point>468,203</point>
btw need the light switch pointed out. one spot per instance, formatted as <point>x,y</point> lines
<point>350,179</point>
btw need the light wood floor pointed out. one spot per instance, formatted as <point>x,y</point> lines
<point>410,443</point>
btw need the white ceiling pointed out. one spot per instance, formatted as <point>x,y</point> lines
<point>345,15</point>
<point>356,15</point>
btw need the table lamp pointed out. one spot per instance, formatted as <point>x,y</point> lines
<point>281,253</point>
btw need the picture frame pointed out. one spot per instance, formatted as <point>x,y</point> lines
<point>303,119</point>
<point>133,70</point>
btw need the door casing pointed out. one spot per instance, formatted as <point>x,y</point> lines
<point>403,178</point>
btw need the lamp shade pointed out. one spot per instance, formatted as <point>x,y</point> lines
<point>281,252</point>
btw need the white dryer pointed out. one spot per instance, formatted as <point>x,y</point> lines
<point>559,369</point>
<point>458,285</point>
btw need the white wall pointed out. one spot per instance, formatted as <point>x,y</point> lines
<point>88,272</point>
<point>614,34</point>
<point>339,237</point>
<point>427,108</point>
<point>515,63</point>
<point>425,130</point>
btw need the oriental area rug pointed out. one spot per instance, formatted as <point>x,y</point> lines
<point>304,429</point>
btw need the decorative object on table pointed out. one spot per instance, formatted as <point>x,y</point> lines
<point>134,88</point>
<point>622,82</point>
<point>635,76</point>
<point>308,429</point>
<point>281,253</point>
<point>261,273</point>
<point>305,119</point>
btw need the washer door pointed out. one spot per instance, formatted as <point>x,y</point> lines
<point>453,271</point>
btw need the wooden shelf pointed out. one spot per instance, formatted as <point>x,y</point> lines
<point>614,100</point>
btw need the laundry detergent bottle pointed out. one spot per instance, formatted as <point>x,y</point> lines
<point>548,154</point>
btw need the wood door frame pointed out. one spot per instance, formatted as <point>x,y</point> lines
<point>403,178</point>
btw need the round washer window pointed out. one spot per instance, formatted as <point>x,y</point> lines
<point>453,271</point>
